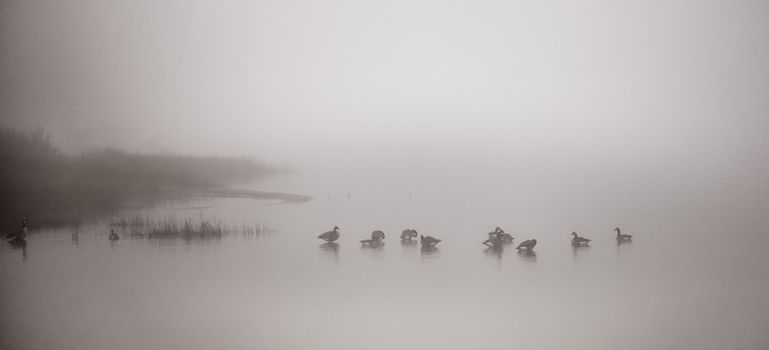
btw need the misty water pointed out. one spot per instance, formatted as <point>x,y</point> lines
<point>695,276</point>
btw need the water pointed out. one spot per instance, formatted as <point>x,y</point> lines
<point>691,281</point>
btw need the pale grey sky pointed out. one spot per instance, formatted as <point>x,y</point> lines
<point>313,81</point>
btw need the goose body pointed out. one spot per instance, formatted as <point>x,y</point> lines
<point>371,242</point>
<point>377,235</point>
<point>429,241</point>
<point>527,244</point>
<point>330,236</point>
<point>113,236</point>
<point>496,232</point>
<point>376,239</point>
<point>622,236</point>
<point>19,235</point>
<point>500,234</point>
<point>577,240</point>
<point>494,242</point>
<point>408,234</point>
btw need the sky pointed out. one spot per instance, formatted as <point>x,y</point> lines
<point>308,82</point>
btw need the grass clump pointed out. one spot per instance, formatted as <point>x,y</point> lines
<point>185,228</point>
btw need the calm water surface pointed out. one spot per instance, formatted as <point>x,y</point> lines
<point>694,282</point>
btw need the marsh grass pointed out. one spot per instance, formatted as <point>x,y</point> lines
<point>185,228</point>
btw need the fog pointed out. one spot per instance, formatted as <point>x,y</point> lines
<point>316,82</point>
<point>629,99</point>
<point>447,117</point>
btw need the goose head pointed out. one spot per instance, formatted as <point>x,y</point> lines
<point>617,229</point>
<point>336,228</point>
<point>498,230</point>
<point>574,234</point>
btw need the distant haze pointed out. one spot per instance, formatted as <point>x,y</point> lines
<point>614,83</point>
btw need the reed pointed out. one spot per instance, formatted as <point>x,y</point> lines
<point>173,227</point>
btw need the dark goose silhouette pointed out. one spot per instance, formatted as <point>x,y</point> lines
<point>622,237</point>
<point>527,244</point>
<point>330,236</point>
<point>579,241</point>
<point>408,234</point>
<point>429,241</point>
<point>19,235</point>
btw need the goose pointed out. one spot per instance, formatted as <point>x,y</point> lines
<point>376,239</point>
<point>577,240</point>
<point>370,242</point>
<point>20,234</point>
<point>527,244</point>
<point>622,236</point>
<point>494,242</point>
<point>113,236</point>
<point>408,234</point>
<point>500,233</point>
<point>377,235</point>
<point>428,241</point>
<point>496,232</point>
<point>330,236</point>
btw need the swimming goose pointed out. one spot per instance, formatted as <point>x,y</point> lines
<point>622,236</point>
<point>494,242</point>
<point>330,236</point>
<point>113,236</point>
<point>408,234</point>
<point>20,234</point>
<point>499,233</point>
<point>496,239</point>
<point>496,232</point>
<point>428,241</point>
<point>527,244</point>
<point>577,240</point>
<point>376,239</point>
<point>377,235</point>
<point>370,242</point>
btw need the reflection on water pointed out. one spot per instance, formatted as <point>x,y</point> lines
<point>579,249</point>
<point>236,292</point>
<point>623,245</point>
<point>375,250</point>
<point>429,251</point>
<point>20,244</point>
<point>331,250</point>
<point>495,252</point>
<point>528,256</point>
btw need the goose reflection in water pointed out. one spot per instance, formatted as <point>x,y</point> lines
<point>20,244</point>
<point>576,249</point>
<point>331,249</point>
<point>529,256</point>
<point>494,251</point>
<point>428,250</point>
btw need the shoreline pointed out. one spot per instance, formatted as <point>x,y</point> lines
<point>283,197</point>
